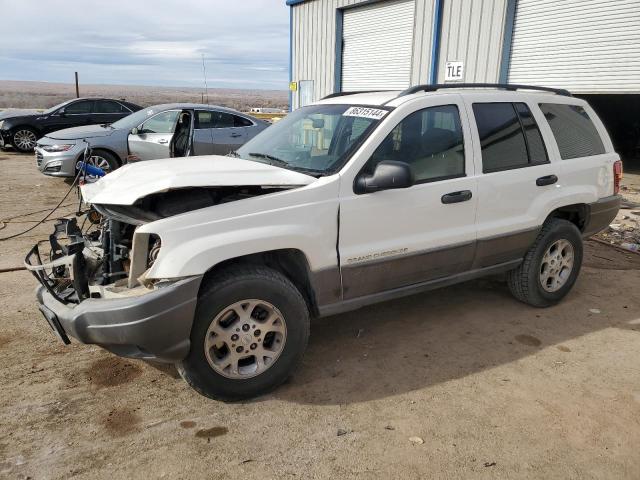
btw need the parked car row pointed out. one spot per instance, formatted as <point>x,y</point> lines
<point>161,131</point>
<point>120,132</point>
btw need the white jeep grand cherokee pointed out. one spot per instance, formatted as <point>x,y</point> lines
<point>217,264</point>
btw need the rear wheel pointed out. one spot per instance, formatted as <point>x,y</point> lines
<point>24,139</point>
<point>250,332</point>
<point>550,267</point>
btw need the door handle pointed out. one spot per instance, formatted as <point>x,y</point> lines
<point>235,135</point>
<point>457,197</point>
<point>162,140</point>
<point>548,180</point>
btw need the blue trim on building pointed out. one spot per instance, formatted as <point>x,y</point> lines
<point>295,2</point>
<point>337,69</point>
<point>507,40</point>
<point>435,42</point>
<point>290,58</point>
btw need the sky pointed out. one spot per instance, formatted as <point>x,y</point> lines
<point>147,42</point>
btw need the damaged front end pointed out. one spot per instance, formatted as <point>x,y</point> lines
<point>94,285</point>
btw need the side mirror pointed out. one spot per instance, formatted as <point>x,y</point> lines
<point>134,131</point>
<point>389,174</point>
<point>62,113</point>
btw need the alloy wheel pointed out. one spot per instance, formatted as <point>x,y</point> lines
<point>24,140</point>
<point>245,339</point>
<point>557,265</point>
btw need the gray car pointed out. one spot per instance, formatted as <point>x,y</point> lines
<point>161,131</point>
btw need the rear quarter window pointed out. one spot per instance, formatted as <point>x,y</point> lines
<point>574,131</point>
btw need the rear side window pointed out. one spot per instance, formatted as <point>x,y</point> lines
<point>575,133</point>
<point>204,119</point>
<point>78,108</point>
<point>429,140</point>
<point>509,136</point>
<point>241,122</point>
<point>107,106</point>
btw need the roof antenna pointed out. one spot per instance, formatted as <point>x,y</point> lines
<point>204,74</point>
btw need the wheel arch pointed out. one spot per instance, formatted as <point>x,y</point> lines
<point>104,149</point>
<point>291,262</point>
<point>577,213</point>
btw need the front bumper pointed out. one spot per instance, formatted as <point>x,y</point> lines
<point>58,164</point>
<point>153,326</point>
<point>601,214</point>
<point>5,138</point>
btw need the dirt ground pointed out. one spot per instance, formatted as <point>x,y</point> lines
<point>491,388</point>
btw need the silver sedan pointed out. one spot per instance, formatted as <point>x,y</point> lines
<point>161,131</point>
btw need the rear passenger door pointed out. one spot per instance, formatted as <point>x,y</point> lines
<point>517,181</point>
<point>203,133</point>
<point>227,137</point>
<point>398,238</point>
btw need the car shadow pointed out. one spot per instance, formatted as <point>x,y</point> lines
<point>412,343</point>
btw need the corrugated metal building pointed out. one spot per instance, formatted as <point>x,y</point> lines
<point>591,47</point>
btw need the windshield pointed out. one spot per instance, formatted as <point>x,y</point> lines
<point>317,139</point>
<point>136,118</point>
<point>56,107</point>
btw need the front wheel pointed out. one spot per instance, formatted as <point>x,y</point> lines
<point>250,332</point>
<point>550,267</point>
<point>24,139</point>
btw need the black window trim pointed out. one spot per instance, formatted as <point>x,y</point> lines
<point>524,134</point>
<point>425,180</point>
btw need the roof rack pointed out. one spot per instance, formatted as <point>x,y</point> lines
<point>342,94</point>
<point>502,86</point>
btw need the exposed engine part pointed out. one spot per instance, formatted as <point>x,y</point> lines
<point>174,202</point>
<point>153,252</point>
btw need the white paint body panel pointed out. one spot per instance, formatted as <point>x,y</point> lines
<point>305,217</point>
<point>131,182</point>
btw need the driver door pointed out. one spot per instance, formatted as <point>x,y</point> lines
<point>153,137</point>
<point>397,238</point>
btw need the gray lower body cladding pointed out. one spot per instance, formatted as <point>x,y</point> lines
<point>601,214</point>
<point>154,326</point>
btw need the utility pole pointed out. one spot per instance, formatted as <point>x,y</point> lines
<point>204,74</point>
<point>77,88</point>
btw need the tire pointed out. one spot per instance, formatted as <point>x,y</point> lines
<point>216,322</point>
<point>105,160</point>
<point>558,238</point>
<point>24,139</point>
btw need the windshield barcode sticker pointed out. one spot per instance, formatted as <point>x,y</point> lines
<point>365,112</point>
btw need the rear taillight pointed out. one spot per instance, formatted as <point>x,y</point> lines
<point>617,176</point>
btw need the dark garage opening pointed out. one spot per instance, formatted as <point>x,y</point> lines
<point>621,115</point>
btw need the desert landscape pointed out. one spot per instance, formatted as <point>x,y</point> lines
<point>40,95</point>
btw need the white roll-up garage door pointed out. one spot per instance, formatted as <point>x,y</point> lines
<point>377,46</point>
<point>586,46</point>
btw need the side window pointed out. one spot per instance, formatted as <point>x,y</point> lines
<point>164,122</point>
<point>78,108</point>
<point>241,122</point>
<point>575,133</point>
<point>204,119</point>
<point>429,140</point>
<point>501,137</point>
<point>108,106</point>
<point>222,120</point>
<point>535,144</point>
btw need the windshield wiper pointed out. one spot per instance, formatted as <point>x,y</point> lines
<point>278,162</point>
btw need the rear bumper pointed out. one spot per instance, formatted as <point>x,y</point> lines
<point>601,214</point>
<point>154,326</point>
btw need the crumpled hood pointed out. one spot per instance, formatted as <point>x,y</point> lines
<point>137,180</point>
<point>76,133</point>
